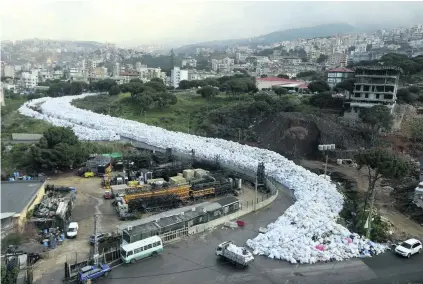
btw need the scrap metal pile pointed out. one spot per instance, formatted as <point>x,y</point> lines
<point>57,202</point>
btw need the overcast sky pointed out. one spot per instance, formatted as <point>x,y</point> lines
<point>145,22</point>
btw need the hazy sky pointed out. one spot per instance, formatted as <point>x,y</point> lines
<point>138,21</point>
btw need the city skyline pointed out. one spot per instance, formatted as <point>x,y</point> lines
<point>164,22</point>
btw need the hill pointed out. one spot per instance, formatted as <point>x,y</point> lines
<point>274,37</point>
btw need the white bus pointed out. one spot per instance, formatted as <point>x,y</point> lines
<point>141,249</point>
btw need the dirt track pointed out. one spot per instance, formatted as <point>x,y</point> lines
<point>384,202</point>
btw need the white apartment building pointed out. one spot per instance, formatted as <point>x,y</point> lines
<point>177,75</point>
<point>8,71</point>
<point>189,62</point>
<point>200,75</point>
<point>225,65</point>
<point>29,79</point>
<point>44,75</point>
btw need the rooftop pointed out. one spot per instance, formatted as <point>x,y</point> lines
<point>26,136</point>
<point>16,195</point>
<point>341,70</point>
<point>379,67</point>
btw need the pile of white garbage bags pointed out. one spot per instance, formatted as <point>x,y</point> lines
<point>241,252</point>
<point>307,232</point>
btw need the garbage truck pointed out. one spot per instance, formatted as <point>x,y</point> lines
<point>239,256</point>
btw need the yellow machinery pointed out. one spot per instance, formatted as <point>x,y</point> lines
<point>181,191</point>
<point>88,174</point>
<point>202,193</point>
<point>107,177</point>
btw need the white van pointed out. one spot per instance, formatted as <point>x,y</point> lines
<point>72,230</point>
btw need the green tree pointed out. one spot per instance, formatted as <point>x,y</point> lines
<point>185,84</point>
<point>114,91</point>
<point>280,91</point>
<point>136,80</point>
<point>208,92</point>
<point>56,135</point>
<point>158,87</point>
<point>347,85</point>
<point>416,129</point>
<point>377,117</point>
<point>322,58</point>
<point>318,86</point>
<point>263,76</point>
<point>144,101</point>
<point>380,163</point>
<point>283,76</point>
<point>158,80</point>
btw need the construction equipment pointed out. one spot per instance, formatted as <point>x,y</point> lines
<point>88,174</point>
<point>107,177</point>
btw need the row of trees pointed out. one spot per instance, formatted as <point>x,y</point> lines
<point>147,95</point>
<point>58,149</point>
<point>237,84</point>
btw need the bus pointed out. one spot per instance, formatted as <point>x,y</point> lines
<point>141,249</point>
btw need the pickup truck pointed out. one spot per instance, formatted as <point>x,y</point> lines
<point>240,256</point>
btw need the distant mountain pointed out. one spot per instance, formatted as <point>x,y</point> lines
<point>274,37</point>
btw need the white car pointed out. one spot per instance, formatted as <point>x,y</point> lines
<point>72,230</point>
<point>409,247</point>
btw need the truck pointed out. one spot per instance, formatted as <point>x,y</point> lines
<point>239,256</point>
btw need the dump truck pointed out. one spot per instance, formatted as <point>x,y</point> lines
<point>239,256</point>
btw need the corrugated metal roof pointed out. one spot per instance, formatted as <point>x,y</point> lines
<point>26,136</point>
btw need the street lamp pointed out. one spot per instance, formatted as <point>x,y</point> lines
<point>325,148</point>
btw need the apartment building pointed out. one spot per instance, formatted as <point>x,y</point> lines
<point>177,75</point>
<point>338,60</point>
<point>375,85</point>
<point>338,75</point>
<point>7,71</point>
<point>29,79</point>
<point>189,62</point>
<point>225,65</point>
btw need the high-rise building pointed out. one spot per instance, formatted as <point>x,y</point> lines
<point>177,75</point>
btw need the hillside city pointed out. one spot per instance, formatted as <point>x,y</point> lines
<point>178,155</point>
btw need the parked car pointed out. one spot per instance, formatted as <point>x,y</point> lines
<point>409,247</point>
<point>72,230</point>
<point>107,195</point>
<point>93,272</point>
<point>101,237</point>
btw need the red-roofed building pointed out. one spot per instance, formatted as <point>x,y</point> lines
<point>338,75</point>
<point>269,82</point>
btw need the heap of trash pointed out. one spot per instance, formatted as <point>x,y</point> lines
<point>306,233</point>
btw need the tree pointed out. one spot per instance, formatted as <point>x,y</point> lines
<point>114,91</point>
<point>56,135</point>
<point>158,80</point>
<point>296,133</point>
<point>136,80</point>
<point>380,163</point>
<point>159,87</point>
<point>144,101</point>
<point>185,84</point>
<point>414,89</point>
<point>208,92</point>
<point>280,91</point>
<point>322,58</point>
<point>406,96</point>
<point>377,117</point>
<point>283,76</point>
<point>346,85</point>
<point>416,129</point>
<point>318,86</point>
<point>305,74</point>
<point>263,76</point>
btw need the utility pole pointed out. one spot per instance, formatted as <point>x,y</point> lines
<point>95,256</point>
<point>325,148</point>
<point>255,193</point>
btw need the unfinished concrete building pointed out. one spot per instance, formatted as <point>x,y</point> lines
<point>375,85</point>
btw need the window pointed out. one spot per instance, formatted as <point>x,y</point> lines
<point>366,96</point>
<point>129,253</point>
<point>416,245</point>
<point>377,96</point>
<point>357,95</point>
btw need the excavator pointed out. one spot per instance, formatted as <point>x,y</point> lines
<point>107,177</point>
